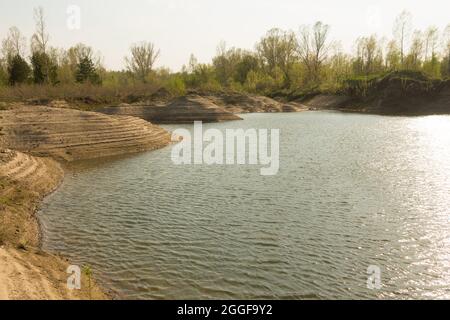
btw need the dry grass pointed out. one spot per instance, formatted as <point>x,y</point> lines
<point>78,94</point>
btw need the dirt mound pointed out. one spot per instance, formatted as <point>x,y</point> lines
<point>67,134</point>
<point>245,103</point>
<point>186,109</point>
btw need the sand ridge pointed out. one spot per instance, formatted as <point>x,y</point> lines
<point>202,107</point>
<point>69,135</point>
<point>186,109</point>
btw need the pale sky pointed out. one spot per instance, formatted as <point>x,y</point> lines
<point>182,27</point>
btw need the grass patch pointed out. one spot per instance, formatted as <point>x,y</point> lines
<point>81,96</point>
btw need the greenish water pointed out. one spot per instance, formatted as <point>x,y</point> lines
<point>352,191</point>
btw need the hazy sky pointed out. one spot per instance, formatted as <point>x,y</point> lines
<point>182,27</point>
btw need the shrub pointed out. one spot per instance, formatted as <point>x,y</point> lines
<point>18,70</point>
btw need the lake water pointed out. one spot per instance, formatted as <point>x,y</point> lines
<point>353,191</point>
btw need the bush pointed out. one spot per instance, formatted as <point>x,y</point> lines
<point>176,86</point>
<point>18,70</point>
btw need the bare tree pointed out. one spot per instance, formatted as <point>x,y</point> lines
<point>370,54</point>
<point>142,60</point>
<point>446,41</point>
<point>446,44</point>
<point>14,44</point>
<point>416,50</point>
<point>402,31</point>
<point>314,47</point>
<point>40,39</point>
<point>392,56</point>
<point>431,41</point>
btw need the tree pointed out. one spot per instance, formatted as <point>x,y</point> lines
<point>142,60</point>
<point>69,60</point>
<point>416,51</point>
<point>40,39</point>
<point>86,71</point>
<point>369,57</point>
<point>3,73</point>
<point>393,60</point>
<point>225,63</point>
<point>44,69</point>
<point>277,49</point>
<point>431,40</point>
<point>14,44</point>
<point>313,48</point>
<point>18,70</point>
<point>402,30</point>
<point>249,62</point>
<point>446,48</point>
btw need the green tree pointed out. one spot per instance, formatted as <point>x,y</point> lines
<point>86,71</point>
<point>249,62</point>
<point>278,51</point>
<point>18,70</point>
<point>44,70</point>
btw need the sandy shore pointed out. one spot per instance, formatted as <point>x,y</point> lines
<point>27,272</point>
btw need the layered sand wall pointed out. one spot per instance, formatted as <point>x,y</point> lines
<point>206,108</point>
<point>68,135</point>
<point>185,109</point>
<point>247,103</point>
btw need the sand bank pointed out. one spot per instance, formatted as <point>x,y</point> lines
<point>26,272</point>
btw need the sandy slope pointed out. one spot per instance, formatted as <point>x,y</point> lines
<point>35,275</point>
<point>67,134</point>
<point>248,103</point>
<point>26,272</point>
<point>185,109</point>
<point>206,108</point>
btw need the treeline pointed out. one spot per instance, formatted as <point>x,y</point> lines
<point>282,61</point>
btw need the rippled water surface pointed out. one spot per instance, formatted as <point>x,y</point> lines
<point>352,191</point>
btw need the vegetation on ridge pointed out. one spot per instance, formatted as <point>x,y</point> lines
<point>283,63</point>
